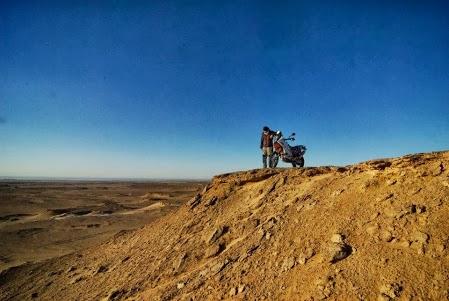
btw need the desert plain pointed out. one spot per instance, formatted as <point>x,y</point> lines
<point>41,219</point>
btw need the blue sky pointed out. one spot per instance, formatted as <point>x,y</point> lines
<point>181,89</point>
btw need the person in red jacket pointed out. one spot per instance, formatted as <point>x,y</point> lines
<point>266,145</point>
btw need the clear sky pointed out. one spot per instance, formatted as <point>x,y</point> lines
<point>182,89</point>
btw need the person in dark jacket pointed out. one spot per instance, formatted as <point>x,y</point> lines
<point>266,145</point>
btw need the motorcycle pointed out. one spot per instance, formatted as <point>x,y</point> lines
<point>298,151</point>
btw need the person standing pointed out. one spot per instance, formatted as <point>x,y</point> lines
<point>266,145</point>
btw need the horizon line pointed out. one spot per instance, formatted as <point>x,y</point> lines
<point>99,179</point>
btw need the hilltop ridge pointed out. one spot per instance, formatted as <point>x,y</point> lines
<point>374,230</point>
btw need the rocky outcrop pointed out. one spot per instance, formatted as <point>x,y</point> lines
<point>377,230</point>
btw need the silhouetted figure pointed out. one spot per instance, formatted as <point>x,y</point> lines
<point>266,145</point>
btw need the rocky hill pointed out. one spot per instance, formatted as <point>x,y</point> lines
<point>377,230</point>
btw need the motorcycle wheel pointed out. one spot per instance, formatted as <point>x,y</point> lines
<point>301,162</point>
<point>293,164</point>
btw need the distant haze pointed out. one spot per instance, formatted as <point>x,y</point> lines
<point>175,89</point>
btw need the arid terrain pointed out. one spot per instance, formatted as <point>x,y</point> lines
<point>41,219</point>
<point>377,230</point>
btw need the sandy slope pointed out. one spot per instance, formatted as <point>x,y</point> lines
<point>377,230</point>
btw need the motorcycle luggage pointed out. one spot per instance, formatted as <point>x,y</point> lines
<point>277,147</point>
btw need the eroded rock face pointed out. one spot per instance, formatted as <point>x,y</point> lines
<point>216,234</point>
<point>362,232</point>
<point>213,250</point>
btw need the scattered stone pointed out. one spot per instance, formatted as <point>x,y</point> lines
<point>195,201</point>
<point>398,213</point>
<point>267,235</point>
<point>374,215</point>
<point>339,252</point>
<point>420,237</point>
<point>248,252</point>
<point>422,220</point>
<point>418,190</point>
<point>416,209</point>
<point>391,182</point>
<point>370,183</point>
<point>337,238</point>
<point>403,213</point>
<point>233,292</point>
<point>325,287</point>
<point>281,182</point>
<point>260,234</point>
<point>205,189</point>
<point>241,288</point>
<point>216,234</point>
<point>438,170</point>
<point>204,272</point>
<point>253,223</point>
<point>76,279</point>
<point>271,222</point>
<point>211,201</point>
<point>217,267</point>
<point>287,264</point>
<point>115,294</point>
<point>177,264</point>
<point>34,295</point>
<point>126,259</point>
<point>338,192</point>
<point>212,251</point>
<point>101,269</point>
<point>440,248</point>
<point>271,188</point>
<point>419,247</point>
<point>53,273</point>
<point>404,244</point>
<point>180,285</point>
<point>371,230</point>
<point>392,290</point>
<point>420,209</point>
<point>380,164</point>
<point>71,269</point>
<point>303,257</point>
<point>385,198</point>
<point>383,297</point>
<point>386,236</point>
<point>391,212</point>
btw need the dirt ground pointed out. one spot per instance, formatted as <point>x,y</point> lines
<point>41,220</point>
<point>377,230</point>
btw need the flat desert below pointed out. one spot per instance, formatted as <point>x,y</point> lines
<point>45,219</point>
